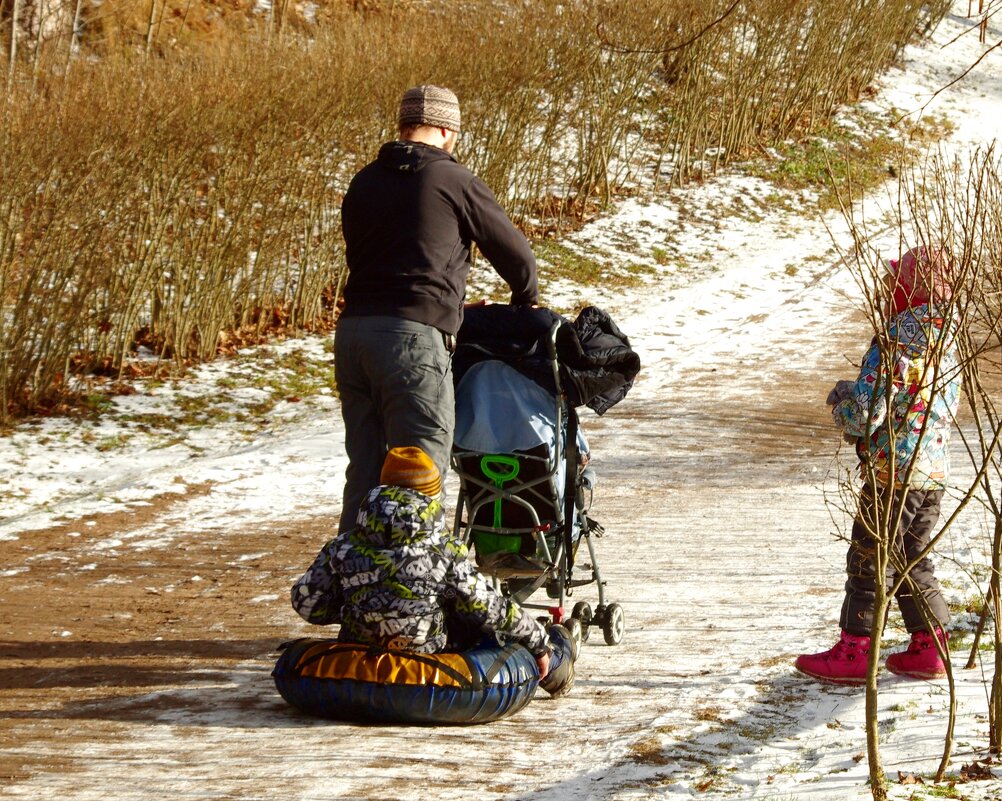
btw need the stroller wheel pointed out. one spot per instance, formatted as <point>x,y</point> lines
<point>613,624</point>
<point>582,611</point>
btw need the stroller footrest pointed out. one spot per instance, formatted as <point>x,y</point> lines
<point>504,564</point>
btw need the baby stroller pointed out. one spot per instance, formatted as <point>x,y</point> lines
<point>525,487</point>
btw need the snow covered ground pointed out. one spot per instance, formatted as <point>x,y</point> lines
<point>146,557</point>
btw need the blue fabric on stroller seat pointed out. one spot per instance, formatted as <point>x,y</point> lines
<point>500,411</point>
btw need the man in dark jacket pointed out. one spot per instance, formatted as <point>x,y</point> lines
<point>409,220</point>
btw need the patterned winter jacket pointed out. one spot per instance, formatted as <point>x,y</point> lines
<point>924,386</point>
<point>394,580</point>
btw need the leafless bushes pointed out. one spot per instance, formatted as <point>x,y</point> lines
<point>773,70</point>
<point>186,193</point>
<point>979,201</point>
<point>159,197</point>
<point>956,204</point>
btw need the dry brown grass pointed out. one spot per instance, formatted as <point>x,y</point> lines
<point>771,70</point>
<point>186,183</point>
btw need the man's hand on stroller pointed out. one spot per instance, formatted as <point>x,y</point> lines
<point>543,663</point>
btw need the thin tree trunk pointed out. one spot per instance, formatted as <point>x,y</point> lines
<point>878,779</point>
<point>151,26</point>
<point>995,699</point>
<point>36,54</point>
<point>14,16</point>
<point>979,629</point>
<point>73,34</point>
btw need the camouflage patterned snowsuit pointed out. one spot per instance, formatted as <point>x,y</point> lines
<point>396,579</point>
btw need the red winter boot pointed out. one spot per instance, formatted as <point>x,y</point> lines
<point>844,663</point>
<point>921,660</point>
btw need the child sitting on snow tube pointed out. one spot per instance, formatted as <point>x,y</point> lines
<point>399,581</point>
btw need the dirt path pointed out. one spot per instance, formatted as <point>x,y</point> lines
<point>135,648</point>
<point>135,665</point>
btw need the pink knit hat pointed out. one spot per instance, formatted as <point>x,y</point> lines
<point>922,275</point>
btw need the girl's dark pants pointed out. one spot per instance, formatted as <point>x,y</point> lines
<point>919,513</point>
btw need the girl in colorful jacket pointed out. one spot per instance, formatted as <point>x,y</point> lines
<point>899,413</point>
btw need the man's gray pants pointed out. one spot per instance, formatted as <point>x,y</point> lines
<point>394,379</point>
<point>919,513</point>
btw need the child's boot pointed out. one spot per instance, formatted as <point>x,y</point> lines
<point>844,663</point>
<point>921,660</point>
<point>560,679</point>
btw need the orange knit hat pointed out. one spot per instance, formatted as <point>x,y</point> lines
<point>409,466</point>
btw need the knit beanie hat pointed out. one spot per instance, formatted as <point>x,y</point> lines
<point>921,276</point>
<point>430,105</point>
<point>410,466</point>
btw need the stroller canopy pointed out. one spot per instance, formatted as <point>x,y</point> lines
<point>597,365</point>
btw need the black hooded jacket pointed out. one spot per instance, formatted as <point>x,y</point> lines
<point>409,219</point>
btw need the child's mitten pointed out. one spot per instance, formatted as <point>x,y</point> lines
<point>839,392</point>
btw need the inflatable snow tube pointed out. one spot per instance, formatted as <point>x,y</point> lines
<point>344,681</point>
